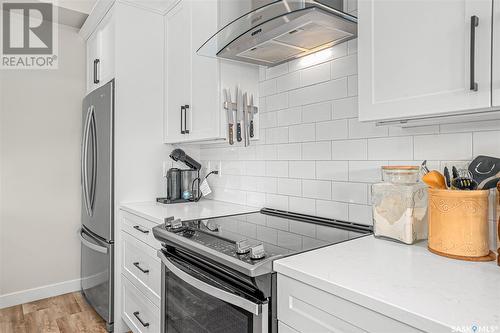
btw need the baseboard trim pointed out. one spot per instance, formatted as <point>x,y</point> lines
<point>30,295</point>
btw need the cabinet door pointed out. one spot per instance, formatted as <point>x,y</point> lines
<point>107,47</point>
<point>93,48</point>
<point>415,58</point>
<point>205,110</point>
<point>496,54</point>
<point>178,71</point>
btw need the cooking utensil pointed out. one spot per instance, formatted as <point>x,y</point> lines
<point>424,168</point>
<point>245,120</point>
<point>253,111</point>
<point>463,180</point>
<point>239,113</point>
<point>485,171</point>
<point>454,172</point>
<point>447,177</point>
<point>498,223</point>
<point>435,179</point>
<point>464,183</point>
<point>230,116</point>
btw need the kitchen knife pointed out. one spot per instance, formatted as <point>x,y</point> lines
<point>447,177</point>
<point>245,120</point>
<point>230,118</point>
<point>239,113</point>
<point>251,114</point>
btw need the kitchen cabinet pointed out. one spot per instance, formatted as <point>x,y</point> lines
<point>304,308</point>
<point>193,83</point>
<point>100,53</point>
<point>421,59</point>
<point>193,108</point>
<point>495,84</point>
<point>141,274</point>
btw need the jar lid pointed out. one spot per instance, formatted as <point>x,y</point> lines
<point>400,167</point>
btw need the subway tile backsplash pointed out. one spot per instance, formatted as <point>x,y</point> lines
<point>315,157</point>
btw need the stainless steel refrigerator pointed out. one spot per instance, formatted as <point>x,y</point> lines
<point>97,231</point>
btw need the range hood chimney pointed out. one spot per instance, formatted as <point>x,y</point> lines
<point>275,32</point>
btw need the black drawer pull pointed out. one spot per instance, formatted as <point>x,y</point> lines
<point>474,22</point>
<point>144,231</point>
<point>136,264</point>
<point>136,314</point>
<point>96,71</point>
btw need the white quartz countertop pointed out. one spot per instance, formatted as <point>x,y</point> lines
<point>203,209</point>
<point>407,283</point>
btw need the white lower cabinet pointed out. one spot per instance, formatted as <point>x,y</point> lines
<point>284,328</point>
<point>140,314</point>
<point>140,228</point>
<point>140,274</point>
<point>304,308</point>
<point>142,265</point>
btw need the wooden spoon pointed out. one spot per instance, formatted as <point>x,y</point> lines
<point>435,179</point>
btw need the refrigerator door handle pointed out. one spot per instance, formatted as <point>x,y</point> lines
<point>94,160</point>
<point>84,157</point>
<point>90,245</point>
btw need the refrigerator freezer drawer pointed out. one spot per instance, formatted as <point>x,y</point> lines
<point>97,274</point>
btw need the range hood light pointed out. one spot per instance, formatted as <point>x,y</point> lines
<point>316,58</point>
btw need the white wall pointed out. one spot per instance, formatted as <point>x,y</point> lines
<point>39,171</point>
<point>315,157</point>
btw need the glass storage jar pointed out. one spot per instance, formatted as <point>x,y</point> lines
<point>400,205</point>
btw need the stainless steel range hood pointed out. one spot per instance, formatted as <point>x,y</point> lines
<point>278,31</point>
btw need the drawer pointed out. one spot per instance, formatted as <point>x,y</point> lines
<point>308,309</point>
<point>139,313</point>
<point>140,228</point>
<point>283,328</point>
<point>142,267</point>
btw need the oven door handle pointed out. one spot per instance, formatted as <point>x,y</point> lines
<point>223,295</point>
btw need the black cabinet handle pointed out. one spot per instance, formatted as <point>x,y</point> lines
<point>144,231</point>
<point>136,314</point>
<point>136,264</point>
<point>474,22</point>
<point>96,71</point>
<point>182,122</point>
<point>186,108</point>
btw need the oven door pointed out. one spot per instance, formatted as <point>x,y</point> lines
<point>193,302</point>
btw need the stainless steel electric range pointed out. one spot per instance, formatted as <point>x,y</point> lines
<point>217,274</point>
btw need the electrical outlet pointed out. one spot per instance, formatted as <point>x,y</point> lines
<point>213,166</point>
<point>218,167</point>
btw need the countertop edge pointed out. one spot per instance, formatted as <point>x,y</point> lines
<point>387,309</point>
<point>228,209</point>
<point>127,209</point>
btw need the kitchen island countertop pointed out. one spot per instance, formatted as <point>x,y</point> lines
<point>405,282</point>
<point>203,209</point>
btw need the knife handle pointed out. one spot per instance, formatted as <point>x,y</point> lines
<point>238,132</point>
<point>251,128</point>
<point>231,134</point>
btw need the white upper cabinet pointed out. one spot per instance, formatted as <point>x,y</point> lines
<point>193,83</point>
<point>421,59</point>
<point>178,72</point>
<point>193,107</point>
<point>100,53</point>
<point>206,106</point>
<point>495,84</point>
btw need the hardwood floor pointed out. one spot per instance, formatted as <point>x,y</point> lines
<point>67,313</point>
